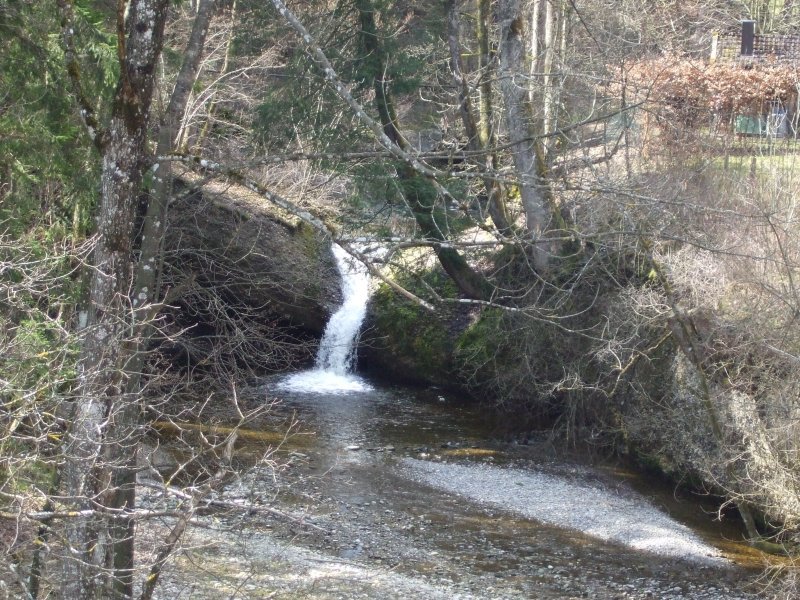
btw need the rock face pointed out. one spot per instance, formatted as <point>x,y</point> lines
<point>248,271</point>
<point>406,343</point>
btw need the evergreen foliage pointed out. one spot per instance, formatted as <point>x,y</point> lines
<point>49,172</point>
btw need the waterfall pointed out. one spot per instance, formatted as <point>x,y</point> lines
<point>337,349</point>
<point>338,344</point>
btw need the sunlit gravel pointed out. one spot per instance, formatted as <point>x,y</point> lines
<point>623,517</point>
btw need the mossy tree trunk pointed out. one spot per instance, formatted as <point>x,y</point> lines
<point>98,561</point>
<point>526,147</point>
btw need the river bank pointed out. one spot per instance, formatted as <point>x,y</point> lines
<point>409,499</point>
<point>403,540</point>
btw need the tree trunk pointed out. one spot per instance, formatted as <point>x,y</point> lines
<point>418,191</point>
<point>487,76</point>
<point>125,431</point>
<point>494,192</point>
<point>519,123</point>
<point>549,107</point>
<point>152,240</point>
<point>535,68</point>
<point>102,402</point>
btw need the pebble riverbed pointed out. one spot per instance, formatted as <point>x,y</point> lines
<point>406,500</point>
<point>433,529</point>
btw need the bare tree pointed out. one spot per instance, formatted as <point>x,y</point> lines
<point>116,322</point>
<point>526,149</point>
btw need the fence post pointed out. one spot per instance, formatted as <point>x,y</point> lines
<point>714,47</point>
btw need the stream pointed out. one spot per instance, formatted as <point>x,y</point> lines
<point>401,493</point>
<point>407,482</point>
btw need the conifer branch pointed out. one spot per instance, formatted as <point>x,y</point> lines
<point>86,110</point>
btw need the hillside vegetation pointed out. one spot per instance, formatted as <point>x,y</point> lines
<point>553,194</point>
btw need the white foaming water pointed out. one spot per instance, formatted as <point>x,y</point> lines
<point>334,364</point>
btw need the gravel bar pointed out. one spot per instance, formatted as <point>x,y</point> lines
<point>619,516</point>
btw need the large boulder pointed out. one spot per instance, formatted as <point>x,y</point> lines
<point>248,271</point>
<point>406,343</point>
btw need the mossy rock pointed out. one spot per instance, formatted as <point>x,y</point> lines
<point>407,342</point>
<point>477,347</point>
<point>237,241</point>
<point>259,285</point>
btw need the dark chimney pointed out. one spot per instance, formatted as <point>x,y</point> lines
<point>748,37</point>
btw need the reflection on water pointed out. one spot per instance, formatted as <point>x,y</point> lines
<point>349,410</point>
<point>352,412</point>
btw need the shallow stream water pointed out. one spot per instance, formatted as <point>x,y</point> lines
<point>396,493</point>
<point>400,493</point>
<point>410,481</point>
